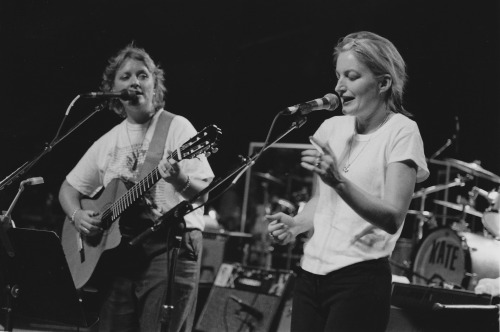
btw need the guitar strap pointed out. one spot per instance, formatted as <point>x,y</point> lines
<point>157,145</point>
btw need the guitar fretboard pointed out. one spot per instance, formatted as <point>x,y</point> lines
<point>132,195</point>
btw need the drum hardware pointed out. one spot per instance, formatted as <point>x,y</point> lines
<point>422,193</point>
<point>465,207</point>
<point>460,207</point>
<point>425,214</point>
<point>491,196</point>
<point>458,181</point>
<point>434,280</point>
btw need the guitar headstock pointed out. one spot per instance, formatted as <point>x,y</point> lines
<point>204,141</point>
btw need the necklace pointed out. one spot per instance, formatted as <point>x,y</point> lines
<point>349,163</point>
<point>136,152</point>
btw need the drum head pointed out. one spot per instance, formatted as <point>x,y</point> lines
<point>442,261</point>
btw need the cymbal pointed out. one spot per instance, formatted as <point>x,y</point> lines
<point>473,169</point>
<point>460,207</point>
<point>268,177</point>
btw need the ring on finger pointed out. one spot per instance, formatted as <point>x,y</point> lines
<point>318,161</point>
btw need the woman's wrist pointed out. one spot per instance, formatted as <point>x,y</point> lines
<point>73,215</point>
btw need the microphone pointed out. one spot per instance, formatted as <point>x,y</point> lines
<point>247,307</point>
<point>124,94</point>
<point>29,182</point>
<point>329,102</point>
<point>32,181</point>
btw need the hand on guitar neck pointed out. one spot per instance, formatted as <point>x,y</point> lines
<point>171,172</point>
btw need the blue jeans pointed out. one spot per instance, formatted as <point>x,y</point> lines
<point>354,298</point>
<point>136,286</point>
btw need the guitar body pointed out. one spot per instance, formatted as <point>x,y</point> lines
<point>83,253</point>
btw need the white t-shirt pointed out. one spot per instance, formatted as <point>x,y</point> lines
<point>112,157</point>
<point>341,237</point>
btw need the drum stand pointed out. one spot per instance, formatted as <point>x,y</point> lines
<point>422,193</point>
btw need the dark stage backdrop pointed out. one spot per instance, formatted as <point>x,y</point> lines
<point>236,63</point>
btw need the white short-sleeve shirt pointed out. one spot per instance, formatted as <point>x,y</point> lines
<point>341,237</point>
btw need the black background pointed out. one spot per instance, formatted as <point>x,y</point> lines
<point>236,64</point>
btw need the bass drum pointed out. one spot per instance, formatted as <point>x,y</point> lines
<point>450,259</point>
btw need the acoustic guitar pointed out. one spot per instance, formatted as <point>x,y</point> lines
<point>83,252</point>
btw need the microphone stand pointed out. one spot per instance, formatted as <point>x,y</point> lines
<point>449,141</point>
<point>185,207</point>
<point>11,288</point>
<point>48,147</point>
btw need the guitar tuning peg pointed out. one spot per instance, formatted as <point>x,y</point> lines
<point>214,150</point>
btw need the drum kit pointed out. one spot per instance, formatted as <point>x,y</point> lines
<point>451,255</point>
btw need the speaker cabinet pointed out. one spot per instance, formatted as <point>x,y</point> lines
<point>245,299</point>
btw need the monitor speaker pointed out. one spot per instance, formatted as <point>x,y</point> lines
<point>245,299</point>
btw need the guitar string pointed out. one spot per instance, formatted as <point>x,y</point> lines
<point>124,199</point>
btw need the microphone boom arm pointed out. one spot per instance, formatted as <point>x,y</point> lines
<point>27,165</point>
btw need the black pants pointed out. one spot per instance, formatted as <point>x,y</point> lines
<point>354,298</point>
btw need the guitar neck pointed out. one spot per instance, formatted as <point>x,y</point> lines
<point>132,195</point>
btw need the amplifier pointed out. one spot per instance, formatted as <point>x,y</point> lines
<point>419,308</point>
<point>424,297</point>
<point>245,298</point>
<point>253,279</point>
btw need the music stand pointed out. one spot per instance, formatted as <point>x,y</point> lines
<point>40,271</point>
